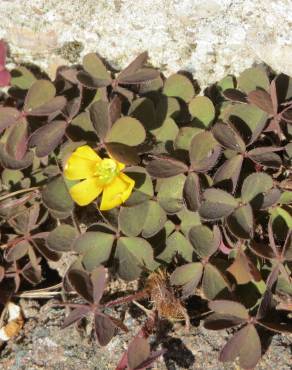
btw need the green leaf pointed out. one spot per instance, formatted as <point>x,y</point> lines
<point>202,109</point>
<point>170,193</point>
<point>278,214</point>
<point>255,184</point>
<point>132,219</point>
<point>176,243</point>
<point>128,131</point>
<point>204,152</point>
<point>226,83</point>
<point>40,93</point>
<point>151,86</point>
<point>167,107</point>
<point>286,197</point>
<point>144,111</point>
<point>56,197</point>
<point>252,79</point>
<point>95,247</point>
<point>248,120</point>
<point>133,254</point>
<point>214,285</point>
<point>22,78</point>
<point>155,220</point>
<point>167,132</point>
<point>188,220</point>
<point>284,286</point>
<point>61,238</point>
<point>179,86</point>
<point>10,178</point>
<point>241,221</point>
<point>217,204</point>
<point>205,241</point>
<point>143,189</point>
<point>95,67</point>
<point>185,136</point>
<point>81,128</point>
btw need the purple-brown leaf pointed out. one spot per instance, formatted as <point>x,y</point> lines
<point>81,282</point>
<point>8,116</point>
<point>75,315</point>
<point>105,329</point>
<point>246,345</point>
<point>231,308</point>
<point>98,278</point>
<point>218,321</point>
<point>262,100</point>
<point>47,137</point>
<point>235,95</point>
<point>165,167</point>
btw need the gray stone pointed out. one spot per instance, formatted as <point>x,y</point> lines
<point>209,38</point>
<point>43,345</point>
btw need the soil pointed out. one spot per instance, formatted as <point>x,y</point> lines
<point>41,344</point>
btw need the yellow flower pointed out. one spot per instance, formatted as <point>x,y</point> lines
<point>99,176</point>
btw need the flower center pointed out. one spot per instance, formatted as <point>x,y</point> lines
<point>106,170</point>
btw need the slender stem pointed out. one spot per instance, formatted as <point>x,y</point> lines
<point>13,242</point>
<point>144,309</point>
<point>18,192</point>
<point>201,315</point>
<point>75,223</point>
<point>102,216</point>
<point>129,298</point>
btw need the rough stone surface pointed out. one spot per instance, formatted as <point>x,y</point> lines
<point>42,345</point>
<point>209,38</point>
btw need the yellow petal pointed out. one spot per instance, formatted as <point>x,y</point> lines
<point>87,152</point>
<point>86,191</point>
<point>121,165</point>
<point>81,164</point>
<point>117,192</point>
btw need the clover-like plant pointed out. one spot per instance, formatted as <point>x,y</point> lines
<point>90,287</point>
<point>195,197</point>
<point>245,343</point>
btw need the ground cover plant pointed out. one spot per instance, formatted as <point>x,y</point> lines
<point>139,176</point>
